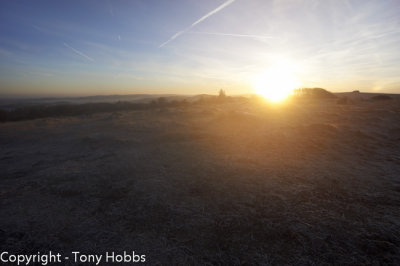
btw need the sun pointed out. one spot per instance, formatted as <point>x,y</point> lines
<point>276,83</point>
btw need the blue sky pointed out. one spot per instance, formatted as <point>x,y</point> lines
<point>156,46</point>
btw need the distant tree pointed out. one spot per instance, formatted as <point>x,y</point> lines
<point>221,93</point>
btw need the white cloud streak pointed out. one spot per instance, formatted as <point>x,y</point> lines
<point>79,52</point>
<point>252,36</point>
<point>209,14</point>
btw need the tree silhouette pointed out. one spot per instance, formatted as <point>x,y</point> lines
<point>221,94</point>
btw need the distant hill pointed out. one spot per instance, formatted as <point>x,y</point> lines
<point>314,93</point>
<point>356,95</point>
<point>14,103</point>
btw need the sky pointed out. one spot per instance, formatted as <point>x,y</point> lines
<point>87,47</point>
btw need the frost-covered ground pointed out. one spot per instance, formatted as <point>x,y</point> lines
<point>230,183</point>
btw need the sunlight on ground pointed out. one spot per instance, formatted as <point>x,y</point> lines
<point>276,83</point>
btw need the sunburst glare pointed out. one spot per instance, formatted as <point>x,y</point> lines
<point>276,83</point>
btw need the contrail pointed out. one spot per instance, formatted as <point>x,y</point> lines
<point>79,52</point>
<point>227,3</point>
<point>173,37</point>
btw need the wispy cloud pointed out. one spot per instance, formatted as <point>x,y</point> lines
<point>4,52</point>
<point>79,52</point>
<point>209,14</point>
<point>111,10</point>
<point>252,36</point>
